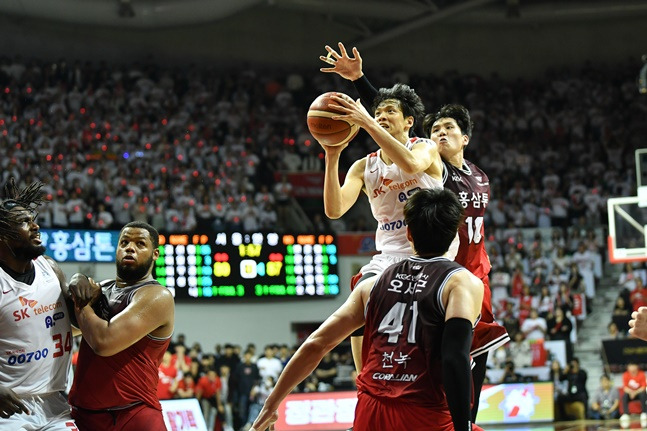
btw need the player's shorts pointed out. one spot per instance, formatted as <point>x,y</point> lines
<point>372,414</point>
<point>136,418</point>
<point>49,412</point>
<point>488,334</point>
<point>376,266</point>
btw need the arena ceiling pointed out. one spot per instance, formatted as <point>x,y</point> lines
<point>373,21</point>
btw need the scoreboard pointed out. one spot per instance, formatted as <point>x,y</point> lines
<point>248,265</point>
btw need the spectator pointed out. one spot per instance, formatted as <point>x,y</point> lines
<point>186,387</point>
<point>519,351</point>
<point>509,374</point>
<point>612,332</point>
<point>207,391</point>
<point>621,315</point>
<point>585,261</point>
<point>258,396</point>
<point>180,360</point>
<point>534,327</point>
<point>638,295</point>
<point>545,302</point>
<point>326,372</point>
<point>244,378</point>
<point>560,389</point>
<point>605,402</point>
<point>168,378</point>
<point>576,398</point>
<point>269,365</point>
<point>633,387</point>
<point>103,218</point>
<point>560,328</point>
<point>225,397</point>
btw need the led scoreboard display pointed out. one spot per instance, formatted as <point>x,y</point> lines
<point>252,265</point>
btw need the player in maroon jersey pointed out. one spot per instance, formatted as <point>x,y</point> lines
<point>127,326</point>
<point>451,129</point>
<point>419,319</point>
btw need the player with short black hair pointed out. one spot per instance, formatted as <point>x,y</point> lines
<point>419,317</point>
<point>451,129</point>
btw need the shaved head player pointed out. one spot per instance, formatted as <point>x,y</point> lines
<point>127,326</point>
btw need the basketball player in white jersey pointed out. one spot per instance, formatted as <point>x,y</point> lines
<point>389,176</point>
<point>36,336</point>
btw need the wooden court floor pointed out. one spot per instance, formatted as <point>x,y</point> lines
<point>588,425</point>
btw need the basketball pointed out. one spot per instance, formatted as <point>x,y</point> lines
<point>326,130</point>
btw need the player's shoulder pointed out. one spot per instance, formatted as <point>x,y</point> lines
<point>461,276</point>
<point>358,167</point>
<point>153,290</point>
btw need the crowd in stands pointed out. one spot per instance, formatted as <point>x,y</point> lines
<point>194,148</point>
<point>191,148</point>
<point>232,384</point>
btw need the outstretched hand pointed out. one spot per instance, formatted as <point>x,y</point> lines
<point>638,323</point>
<point>84,290</point>
<point>10,403</point>
<point>265,420</point>
<point>342,64</point>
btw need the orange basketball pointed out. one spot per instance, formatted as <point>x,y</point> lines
<point>326,130</point>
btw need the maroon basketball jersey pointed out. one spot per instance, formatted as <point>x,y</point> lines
<point>472,187</point>
<point>130,376</point>
<point>405,318</point>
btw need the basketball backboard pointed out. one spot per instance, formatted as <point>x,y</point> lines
<point>627,228</point>
<point>627,241</point>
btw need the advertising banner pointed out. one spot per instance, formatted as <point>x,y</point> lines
<point>500,404</point>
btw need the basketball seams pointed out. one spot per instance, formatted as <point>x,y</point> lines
<point>324,128</point>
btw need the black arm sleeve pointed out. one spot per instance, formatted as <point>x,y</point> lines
<point>457,375</point>
<point>366,91</point>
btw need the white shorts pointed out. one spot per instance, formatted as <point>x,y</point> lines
<point>49,412</point>
<point>380,262</point>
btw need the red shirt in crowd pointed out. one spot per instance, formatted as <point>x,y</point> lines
<point>207,388</point>
<point>167,374</point>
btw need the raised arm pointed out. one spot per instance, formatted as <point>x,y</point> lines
<point>350,68</point>
<point>463,295</point>
<point>150,312</point>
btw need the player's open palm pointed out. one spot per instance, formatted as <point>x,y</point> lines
<point>265,420</point>
<point>342,64</point>
<point>10,403</point>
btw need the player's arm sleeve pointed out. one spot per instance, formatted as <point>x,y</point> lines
<point>366,90</point>
<point>457,376</point>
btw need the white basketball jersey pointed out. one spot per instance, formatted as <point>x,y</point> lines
<point>388,187</point>
<point>36,339</point>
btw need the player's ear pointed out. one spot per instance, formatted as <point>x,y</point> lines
<point>156,253</point>
<point>409,121</point>
<point>466,140</point>
<point>409,236</point>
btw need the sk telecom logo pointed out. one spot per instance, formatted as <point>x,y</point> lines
<point>21,314</point>
<point>380,191</point>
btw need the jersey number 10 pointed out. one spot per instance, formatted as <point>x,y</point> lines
<point>474,227</point>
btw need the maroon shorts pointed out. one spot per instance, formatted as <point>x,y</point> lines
<point>137,418</point>
<point>488,334</point>
<point>372,414</point>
